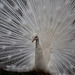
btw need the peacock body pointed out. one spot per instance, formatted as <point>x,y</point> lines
<point>51,23</point>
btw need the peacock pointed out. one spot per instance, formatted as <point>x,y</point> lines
<point>38,35</point>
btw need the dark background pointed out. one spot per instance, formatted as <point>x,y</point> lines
<point>3,72</point>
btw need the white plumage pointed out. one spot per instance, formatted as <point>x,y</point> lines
<point>52,21</point>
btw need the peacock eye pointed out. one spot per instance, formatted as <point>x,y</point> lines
<point>35,37</point>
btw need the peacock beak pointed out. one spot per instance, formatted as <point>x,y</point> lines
<point>33,39</point>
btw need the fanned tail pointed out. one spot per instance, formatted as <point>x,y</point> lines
<point>54,23</point>
<point>16,30</point>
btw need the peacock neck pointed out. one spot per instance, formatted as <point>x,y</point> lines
<point>37,43</point>
<point>39,58</point>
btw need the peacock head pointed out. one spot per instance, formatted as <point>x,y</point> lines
<point>34,37</point>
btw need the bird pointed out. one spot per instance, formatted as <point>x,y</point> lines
<point>38,35</point>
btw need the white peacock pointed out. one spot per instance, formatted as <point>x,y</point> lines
<point>38,34</point>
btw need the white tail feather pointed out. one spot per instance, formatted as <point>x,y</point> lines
<point>54,23</point>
